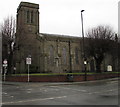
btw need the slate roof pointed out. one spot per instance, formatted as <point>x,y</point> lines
<point>58,35</point>
<point>48,36</point>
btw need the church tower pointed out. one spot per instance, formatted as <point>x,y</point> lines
<point>28,17</point>
<point>27,29</point>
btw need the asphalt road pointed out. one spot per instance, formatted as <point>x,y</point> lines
<point>101,92</point>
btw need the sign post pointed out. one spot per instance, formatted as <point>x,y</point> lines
<point>5,68</point>
<point>28,62</point>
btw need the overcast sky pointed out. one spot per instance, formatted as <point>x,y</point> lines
<point>64,17</point>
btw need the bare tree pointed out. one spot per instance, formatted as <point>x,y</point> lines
<point>8,28</point>
<point>99,42</point>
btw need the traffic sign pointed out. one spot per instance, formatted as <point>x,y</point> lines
<point>28,60</point>
<point>109,68</point>
<point>4,65</point>
<point>5,61</point>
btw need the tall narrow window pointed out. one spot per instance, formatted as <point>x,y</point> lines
<point>64,54</point>
<point>51,58</point>
<point>76,56</point>
<point>28,16</point>
<point>32,17</point>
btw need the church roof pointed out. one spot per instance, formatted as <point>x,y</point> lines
<point>48,36</point>
<point>58,35</point>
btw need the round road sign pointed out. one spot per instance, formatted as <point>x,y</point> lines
<point>5,61</point>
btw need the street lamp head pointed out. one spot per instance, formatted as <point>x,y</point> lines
<point>82,10</point>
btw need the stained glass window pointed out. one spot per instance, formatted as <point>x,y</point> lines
<point>76,55</point>
<point>51,55</point>
<point>28,16</point>
<point>32,17</point>
<point>64,54</point>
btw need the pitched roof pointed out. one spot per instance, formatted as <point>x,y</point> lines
<point>60,37</point>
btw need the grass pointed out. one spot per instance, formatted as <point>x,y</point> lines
<point>51,74</point>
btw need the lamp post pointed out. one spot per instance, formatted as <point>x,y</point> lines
<point>84,57</point>
<point>116,40</point>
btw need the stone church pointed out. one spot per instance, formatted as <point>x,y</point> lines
<point>48,52</point>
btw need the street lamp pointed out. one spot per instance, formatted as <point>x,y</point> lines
<point>85,62</point>
<point>117,59</point>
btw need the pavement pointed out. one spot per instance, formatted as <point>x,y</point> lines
<point>56,83</point>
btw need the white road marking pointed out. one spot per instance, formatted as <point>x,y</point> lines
<point>93,92</point>
<point>12,96</point>
<point>55,89</point>
<point>23,101</point>
<point>4,93</point>
<point>72,89</point>
<point>54,86</point>
<point>86,90</point>
<point>49,89</point>
<point>45,90</point>
<point>77,90</point>
<point>28,91</point>
<point>7,95</point>
<point>102,91</point>
<point>113,82</point>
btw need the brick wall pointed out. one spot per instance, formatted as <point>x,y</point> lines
<point>60,78</point>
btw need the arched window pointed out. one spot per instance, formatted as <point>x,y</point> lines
<point>51,55</point>
<point>32,17</point>
<point>64,56</point>
<point>77,55</point>
<point>28,16</point>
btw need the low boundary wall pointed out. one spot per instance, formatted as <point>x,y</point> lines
<point>60,78</point>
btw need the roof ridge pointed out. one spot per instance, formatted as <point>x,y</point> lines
<point>59,35</point>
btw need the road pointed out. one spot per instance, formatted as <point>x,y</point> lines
<point>100,92</point>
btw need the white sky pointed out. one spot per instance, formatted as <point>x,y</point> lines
<point>64,17</point>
